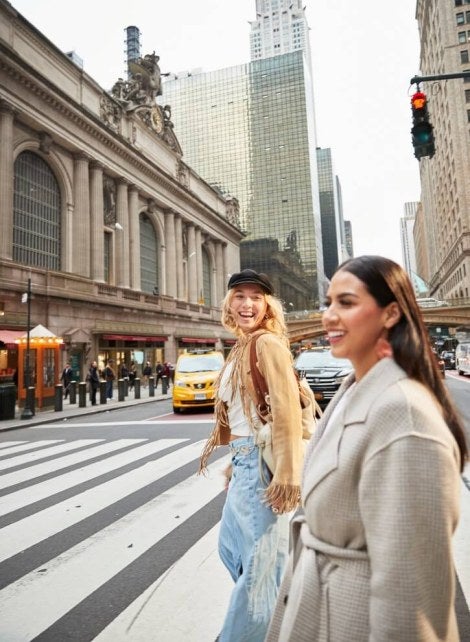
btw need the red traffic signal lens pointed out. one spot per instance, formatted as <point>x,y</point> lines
<point>418,100</point>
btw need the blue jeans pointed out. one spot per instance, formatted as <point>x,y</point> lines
<point>253,545</point>
<point>109,389</point>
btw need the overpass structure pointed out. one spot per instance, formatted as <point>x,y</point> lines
<point>308,325</point>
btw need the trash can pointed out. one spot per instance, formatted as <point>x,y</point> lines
<point>7,400</point>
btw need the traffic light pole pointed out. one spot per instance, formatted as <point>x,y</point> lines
<point>460,74</point>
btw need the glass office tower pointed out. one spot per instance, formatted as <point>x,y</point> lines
<point>249,131</point>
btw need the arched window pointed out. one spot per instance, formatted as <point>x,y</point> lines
<point>149,264</point>
<point>206,278</point>
<point>36,213</point>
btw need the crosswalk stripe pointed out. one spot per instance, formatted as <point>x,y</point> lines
<point>37,455</point>
<point>6,445</point>
<point>42,490</point>
<point>176,600</point>
<point>26,474</point>
<point>26,532</point>
<point>24,614</point>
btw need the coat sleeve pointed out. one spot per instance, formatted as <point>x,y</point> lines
<point>409,502</point>
<point>275,364</point>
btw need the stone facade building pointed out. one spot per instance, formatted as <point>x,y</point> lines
<point>127,248</point>
<point>444,27</point>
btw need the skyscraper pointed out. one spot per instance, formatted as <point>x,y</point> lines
<point>444,28</point>
<point>407,241</point>
<point>332,223</point>
<point>249,130</point>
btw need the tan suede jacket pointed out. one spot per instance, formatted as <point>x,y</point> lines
<point>275,364</point>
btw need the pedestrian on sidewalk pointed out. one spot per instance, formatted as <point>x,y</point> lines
<point>132,374</point>
<point>109,376</point>
<point>66,378</point>
<point>147,371</point>
<point>372,553</point>
<point>93,381</point>
<point>254,530</point>
<point>158,373</point>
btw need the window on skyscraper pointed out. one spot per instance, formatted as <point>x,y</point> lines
<point>464,56</point>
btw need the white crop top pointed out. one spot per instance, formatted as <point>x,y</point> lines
<point>236,417</point>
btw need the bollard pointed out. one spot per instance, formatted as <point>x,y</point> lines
<point>102,392</point>
<point>31,399</point>
<point>151,386</point>
<point>126,386</point>
<point>120,389</point>
<point>58,397</point>
<point>82,394</point>
<point>136,388</point>
<point>73,392</point>
<point>164,385</point>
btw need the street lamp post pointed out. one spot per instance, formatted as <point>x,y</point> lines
<point>27,410</point>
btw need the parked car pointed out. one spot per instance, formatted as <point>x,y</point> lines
<point>324,373</point>
<point>195,375</point>
<point>448,356</point>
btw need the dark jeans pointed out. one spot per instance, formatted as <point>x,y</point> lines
<point>93,390</point>
<point>109,389</point>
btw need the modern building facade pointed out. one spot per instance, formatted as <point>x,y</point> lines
<point>127,248</point>
<point>444,27</point>
<point>249,130</point>
<point>335,247</point>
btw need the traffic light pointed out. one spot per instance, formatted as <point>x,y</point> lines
<point>422,130</point>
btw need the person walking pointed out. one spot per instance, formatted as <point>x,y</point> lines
<point>158,373</point>
<point>147,371</point>
<point>66,378</point>
<point>132,374</point>
<point>109,376</point>
<point>372,554</point>
<point>254,530</point>
<point>94,381</point>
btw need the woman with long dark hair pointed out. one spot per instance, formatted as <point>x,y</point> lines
<point>372,554</point>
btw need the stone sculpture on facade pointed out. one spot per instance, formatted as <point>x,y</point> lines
<point>138,94</point>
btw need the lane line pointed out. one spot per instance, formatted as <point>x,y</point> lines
<point>49,487</point>
<point>75,574</point>
<point>10,444</point>
<point>28,446</point>
<point>26,532</point>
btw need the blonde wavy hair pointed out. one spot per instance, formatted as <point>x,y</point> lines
<point>273,321</point>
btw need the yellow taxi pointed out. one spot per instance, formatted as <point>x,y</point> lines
<point>195,374</point>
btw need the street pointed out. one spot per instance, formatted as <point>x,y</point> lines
<point>108,534</point>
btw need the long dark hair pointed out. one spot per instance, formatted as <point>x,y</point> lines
<point>386,281</point>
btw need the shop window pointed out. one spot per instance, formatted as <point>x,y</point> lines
<point>464,56</point>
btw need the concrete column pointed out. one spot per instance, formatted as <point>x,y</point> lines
<point>179,258</point>
<point>134,238</point>
<point>97,222</point>
<point>121,239</point>
<point>81,216</point>
<point>200,293</point>
<point>192,265</point>
<point>221,277</point>
<point>6,180</point>
<point>170,243</point>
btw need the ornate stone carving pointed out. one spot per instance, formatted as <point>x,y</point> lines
<point>182,173</point>
<point>110,113</point>
<point>233,210</point>
<point>109,200</point>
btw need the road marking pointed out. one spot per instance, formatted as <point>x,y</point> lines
<point>173,604</point>
<point>24,612</point>
<point>12,444</point>
<point>45,489</point>
<point>22,460</point>
<point>29,531</point>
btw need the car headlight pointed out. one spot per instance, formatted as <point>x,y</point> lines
<point>180,384</point>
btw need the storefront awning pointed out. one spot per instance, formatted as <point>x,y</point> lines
<point>129,337</point>
<point>8,337</point>
<point>197,340</point>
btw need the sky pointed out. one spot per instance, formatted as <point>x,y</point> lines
<point>363,55</point>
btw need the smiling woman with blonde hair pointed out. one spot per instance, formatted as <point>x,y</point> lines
<point>254,530</point>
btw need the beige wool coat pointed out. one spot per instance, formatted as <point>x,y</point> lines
<point>372,557</point>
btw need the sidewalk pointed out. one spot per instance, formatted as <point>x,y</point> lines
<point>48,415</point>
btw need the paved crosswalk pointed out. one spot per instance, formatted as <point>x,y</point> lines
<point>116,540</point>
<point>90,529</point>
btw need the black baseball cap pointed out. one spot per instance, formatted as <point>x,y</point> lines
<point>250,276</point>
